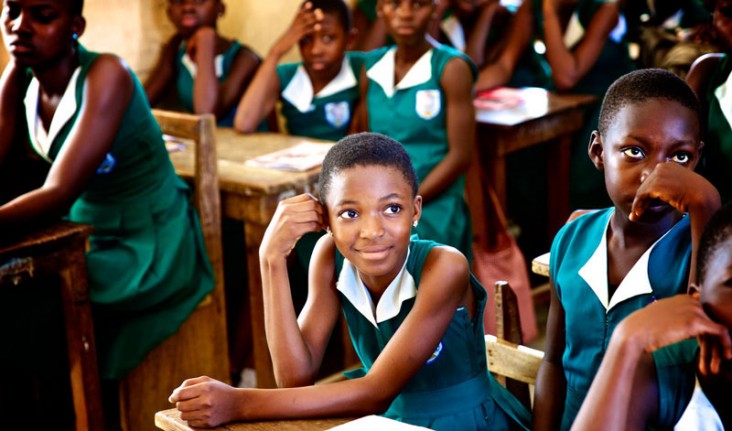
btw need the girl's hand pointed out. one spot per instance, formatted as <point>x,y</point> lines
<point>204,39</point>
<point>205,402</point>
<point>676,185</point>
<point>293,218</point>
<point>671,320</point>
<point>306,22</point>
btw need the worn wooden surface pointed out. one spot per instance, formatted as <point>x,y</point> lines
<point>508,359</point>
<point>169,420</point>
<point>251,194</point>
<point>544,118</point>
<point>60,249</point>
<point>200,346</point>
<point>540,265</point>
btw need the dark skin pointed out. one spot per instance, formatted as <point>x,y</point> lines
<point>407,24</point>
<point>39,34</point>
<point>195,23</point>
<point>704,66</point>
<point>648,160</point>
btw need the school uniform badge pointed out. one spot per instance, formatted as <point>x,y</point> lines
<point>435,354</point>
<point>107,165</point>
<point>427,104</point>
<point>337,114</point>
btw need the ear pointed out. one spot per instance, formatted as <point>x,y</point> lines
<point>596,151</point>
<point>417,208</point>
<point>693,290</point>
<point>351,39</point>
<point>78,25</point>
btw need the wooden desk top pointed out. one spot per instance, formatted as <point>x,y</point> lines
<point>37,239</point>
<point>169,420</point>
<point>234,149</point>
<point>536,103</point>
<point>540,265</point>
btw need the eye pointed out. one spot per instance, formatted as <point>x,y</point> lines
<point>328,38</point>
<point>348,214</point>
<point>633,152</point>
<point>12,10</point>
<point>393,209</point>
<point>44,15</point>
<point>681,158</point>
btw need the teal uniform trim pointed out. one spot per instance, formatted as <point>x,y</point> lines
<point>716,163</point>
<point>453,390</point>
<point>676,376</point>
<point>416,117</point>
<point>329,117</point>
<point>146,262</point>
<point>587,324</point>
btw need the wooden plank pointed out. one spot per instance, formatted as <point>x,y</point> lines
<point>169,420</point>
<point>517,362</point>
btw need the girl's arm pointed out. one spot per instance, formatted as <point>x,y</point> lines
<point>162,75</point>
<point>569,67</point>
<point>443,288</point>
<point>551,386</point>
<point>11,102</point>
<point>701,70</point>
<point>457,85</point>
<point>519,38</point>
<point>360,121</point>
<point>686,191</point>
<point>369,35</point>
<point>297,347</point>
<point>475,45</point>
<point>619,395</point>
<point>264,91</point>
<point>107,92</point>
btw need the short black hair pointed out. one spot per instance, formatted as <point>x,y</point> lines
<point>366,149</point>
<point>642,85</point>
<point>716,232</point>
<point>339,8</point>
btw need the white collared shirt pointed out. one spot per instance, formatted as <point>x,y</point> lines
<point>723,93</point>
<point>41,140</point>
<point>401,289</point>
<point>382,72</point>
<point>635,283</point>
<point>575,31</point>
<point>190,65</point>
<point>454,30</point>
<point>299,91</point>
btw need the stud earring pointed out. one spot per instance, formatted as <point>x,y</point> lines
<point>75,36</point>
<point>415,223</point>
<point>327,229</point>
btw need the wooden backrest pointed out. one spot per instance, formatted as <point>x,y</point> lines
<point>510,360</point>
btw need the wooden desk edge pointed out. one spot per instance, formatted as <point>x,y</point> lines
<point>169,420</point>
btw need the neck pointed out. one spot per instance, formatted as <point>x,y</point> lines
<point>53,77</point>
<point>320,79</point>
<point>410,53</point>
<point>628,234</point>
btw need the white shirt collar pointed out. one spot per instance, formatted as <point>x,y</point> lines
<point>41,140</point>
<point>635,283</point>
<point>723,93</point>
<point>454,30</point>
<point>190,65</point>
<point>401,289</point>
<point>382,72</point>
<point>575,31</point>
<point>299,90</point>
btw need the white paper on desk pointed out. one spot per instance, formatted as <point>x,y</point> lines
<point>302,156</point>
<point>374,422</point>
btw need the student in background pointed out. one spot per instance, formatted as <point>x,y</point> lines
<point>319,94</point>
<point>420,93</point>
<point>711,79</point>
<point>412,308</point>
<point>689,331</point>
<point>209,72</point>
<point>86,115</point>
<point>611,262</point>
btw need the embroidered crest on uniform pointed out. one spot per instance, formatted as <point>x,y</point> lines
<point>107,165</point>
<point>428,103</point>
<point>338,114</point>
<point>435,354</point>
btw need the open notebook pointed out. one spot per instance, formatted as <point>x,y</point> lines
<point>302,156</point>
<point>374,422</point>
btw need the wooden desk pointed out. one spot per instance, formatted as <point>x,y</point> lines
<point>251,195</point>
<point>169,420</point>
<point>543,117</point>
<point>59,249</point>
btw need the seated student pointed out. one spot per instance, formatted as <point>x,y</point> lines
<point>608,263</point>
<point>419,92</point>
<point>86,115</point>
<point>318,95</point>
<point>648,369</point>
<point>587,49</point>
<point>710,77</point>
<point>209,72</point>
<point>413,310</point>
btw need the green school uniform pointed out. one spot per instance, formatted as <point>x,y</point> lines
<point>414,113</point>
<point>452,390</point>
<point>675,374</point>
<point>186,73</point>
<point>146,261</point>
<point>326,115</point>
<point>717,154</point>
<point>579,273</point>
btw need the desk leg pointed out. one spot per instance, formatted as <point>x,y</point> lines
<point>253,234</point>
<point>558,184</point>
<point>495,174</point>
<point>85,384</point>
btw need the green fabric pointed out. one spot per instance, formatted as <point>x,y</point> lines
<point>146,261</point>
<point>587,324</point>
<point>329,117</point>
<point>445,217</point>
<point>675,373</point>
<point>717,154</point>
<point>453,390</point>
